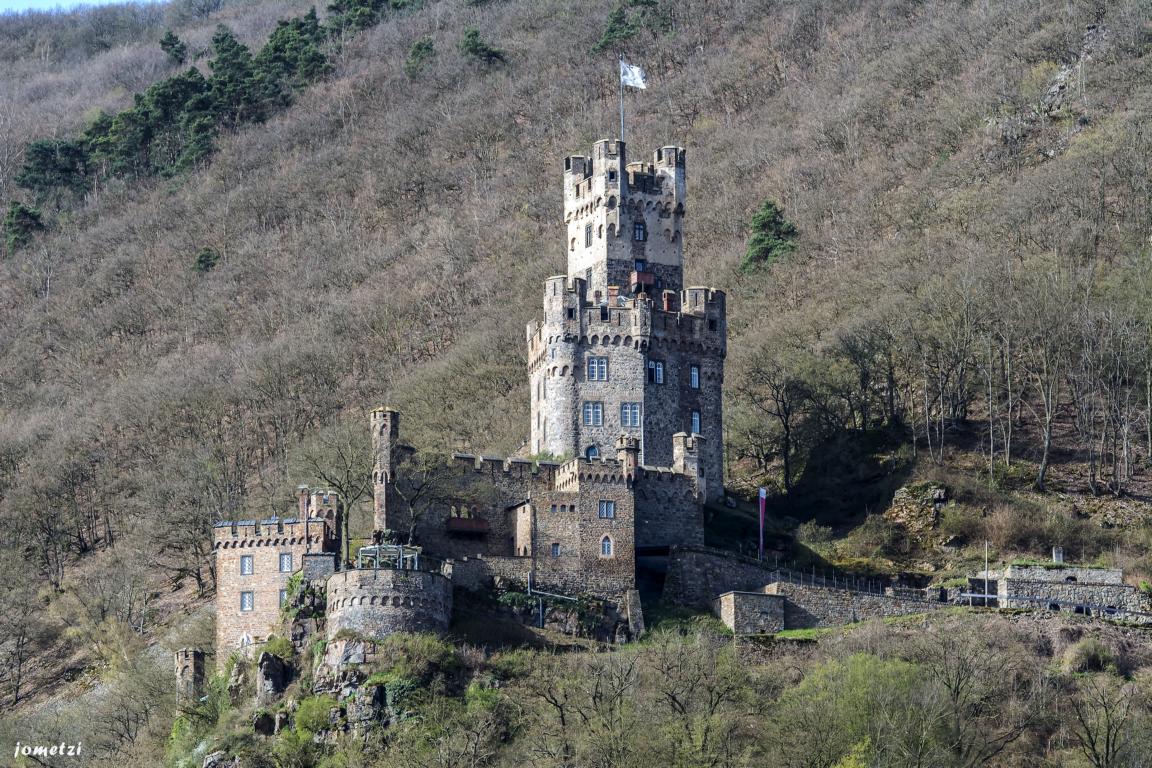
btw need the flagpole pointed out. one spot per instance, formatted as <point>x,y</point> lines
<point>620,77</point>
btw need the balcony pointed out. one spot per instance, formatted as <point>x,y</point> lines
<point>644,278</point>
<point>466,526</point>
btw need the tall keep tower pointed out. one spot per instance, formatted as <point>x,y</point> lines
<point>624,349</point>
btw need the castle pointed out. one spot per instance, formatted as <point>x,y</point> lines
<point>625,372</point>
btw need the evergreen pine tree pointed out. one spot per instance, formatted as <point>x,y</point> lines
<point>20,223</point>
<point>234,83</point>
<point>419,55</point>
<point>53,164</point>
<point>292,58</point>
<point>773,236</point>
<point>176,49</point>
<point>475,47</point>
<point>206,260</point>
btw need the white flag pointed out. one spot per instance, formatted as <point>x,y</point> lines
<point>632,75</point>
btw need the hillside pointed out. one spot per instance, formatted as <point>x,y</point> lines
<point>965,303</point>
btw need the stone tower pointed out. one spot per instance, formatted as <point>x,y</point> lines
<point>189,674</point>
<point>624,348</point>
<point>385,444</point>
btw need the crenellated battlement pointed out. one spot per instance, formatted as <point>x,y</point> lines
<point>511,466</point>
<point>271,532</point>
<point>625,220</point>
<point>595,472</point>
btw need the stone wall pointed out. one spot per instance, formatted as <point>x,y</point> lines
<point>318,566</point>
<point>479,573</point>
<point>750,613</point>
<point>1066,573</point>
<point>696,575</point>
<point>808,606</point>
<point>668,512</point>
<point>376,603</point>
<point>1077,597</point>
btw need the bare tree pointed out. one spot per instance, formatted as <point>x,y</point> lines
<point>1102,708</point>
<point>340,457</point>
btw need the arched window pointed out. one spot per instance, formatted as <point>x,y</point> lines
<point>592,452</point>
<point>606,547</point>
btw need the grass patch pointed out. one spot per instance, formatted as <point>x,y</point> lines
<point>811,634</point>
<point>663,616</point>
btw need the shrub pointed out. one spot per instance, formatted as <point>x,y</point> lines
<point>877,536</point>
<point>811,532</point>
<point>313,713</point>
<point>206,260</point>
<point>280,646</point>
<point>1089,655</point>
<point>416,656</point>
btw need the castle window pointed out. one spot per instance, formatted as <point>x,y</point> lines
<point>655,372</point>
<point>555,550</point>
<point>607,510</point>
<point>587,235</point>
<point>592,452</point>
<point>247,601</point>
<point>694,377</point>
<point>593,414</point>
<point>641,265</point>
<point>695,422</point>
<point>606,547</point>
<point>597,369</point>
<point>639,231</point>
<point>286,562</point>
<point>553,509</point>
<point>571,313</point>
<point>630,414</point>
<point>283,597</point>
<point>246,565</point>
<point>612,177</point>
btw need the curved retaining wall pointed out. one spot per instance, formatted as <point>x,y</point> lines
<point>376,603</point>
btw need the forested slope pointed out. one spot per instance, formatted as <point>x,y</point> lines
<point>969,183</point>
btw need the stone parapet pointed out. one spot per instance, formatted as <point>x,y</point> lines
<point>373,604</point>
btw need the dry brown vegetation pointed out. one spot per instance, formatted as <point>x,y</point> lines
<point>385,240</point>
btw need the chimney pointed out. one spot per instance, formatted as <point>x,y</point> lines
<point>302,502</point>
